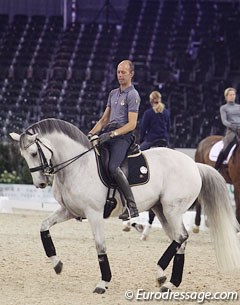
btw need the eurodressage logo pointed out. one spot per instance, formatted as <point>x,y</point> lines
<point>200,297</point>
<point>122,103</point>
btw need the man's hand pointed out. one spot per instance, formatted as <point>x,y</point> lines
<point>104,137</point>
<point>234,127</point>
<point>93,139</point>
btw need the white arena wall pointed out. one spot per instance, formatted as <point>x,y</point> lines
<point>27,197</point>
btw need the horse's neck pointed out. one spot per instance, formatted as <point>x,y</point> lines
<point>81,173</point>
<point>64,147</point>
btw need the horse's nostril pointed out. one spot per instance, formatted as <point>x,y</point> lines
<point>42,185</point>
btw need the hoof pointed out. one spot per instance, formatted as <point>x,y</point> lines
<point>161,280</point>
<point>164,289</point>
<point>144,237</point>
<point>126,229</point>
<point>99,290</point>
<point>58,268</point>
<point>195,229</point>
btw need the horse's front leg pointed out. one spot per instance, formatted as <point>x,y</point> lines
<point>96,221</point>
<point>58,216</point>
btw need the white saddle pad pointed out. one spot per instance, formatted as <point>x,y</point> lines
<point>215,150</point>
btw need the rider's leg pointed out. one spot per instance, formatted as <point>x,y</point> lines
<point>118,150</point>
<point>228,142</point>
<point>220,159</point>
<point>123,184</point>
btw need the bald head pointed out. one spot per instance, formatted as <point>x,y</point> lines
<point>125,72</point>
<point>127,63</point>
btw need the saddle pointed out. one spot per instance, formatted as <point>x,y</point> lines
<point>159,143</point>
<point>217,147</point>
<point>134,166</point>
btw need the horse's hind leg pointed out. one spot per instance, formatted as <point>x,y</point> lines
<point>176,231</point>
<point>58,216</point>
<point>161,276</point>
<point>177,268</point>
<point>176,250</point>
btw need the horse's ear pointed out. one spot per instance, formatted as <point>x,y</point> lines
<point>15,136</point>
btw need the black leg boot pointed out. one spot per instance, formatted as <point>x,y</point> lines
<point>220,159</point>
<point>131,210</point>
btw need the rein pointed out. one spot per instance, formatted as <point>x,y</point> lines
<point>49,169</point>
<point>67,162</point>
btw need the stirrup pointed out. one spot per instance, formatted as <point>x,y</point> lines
<point>128,213</point>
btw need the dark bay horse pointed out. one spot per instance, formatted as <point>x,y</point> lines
<point>230,172</point>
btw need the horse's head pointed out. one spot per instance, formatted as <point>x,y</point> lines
<point>37,153</point>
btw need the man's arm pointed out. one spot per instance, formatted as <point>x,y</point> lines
<point>102,122</point>
<point>130,126</point>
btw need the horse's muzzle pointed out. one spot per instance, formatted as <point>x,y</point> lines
<point>42,185</point>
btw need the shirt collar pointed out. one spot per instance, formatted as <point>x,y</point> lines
<point>127,89</point>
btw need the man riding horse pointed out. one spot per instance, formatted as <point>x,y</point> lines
<point>119,120</point>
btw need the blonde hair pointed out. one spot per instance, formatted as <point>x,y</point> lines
<point>226,91</point>
<point>159,107</point>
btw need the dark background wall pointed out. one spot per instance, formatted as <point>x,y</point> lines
<point>98,9</point>
<point>86,10</point>
<point>31,7</point>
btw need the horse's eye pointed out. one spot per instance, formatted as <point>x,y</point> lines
<point>34,154</point>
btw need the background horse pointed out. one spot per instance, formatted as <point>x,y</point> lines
<point>175,182</point>
<point>231,173</point>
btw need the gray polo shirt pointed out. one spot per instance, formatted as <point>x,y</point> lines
<point>121,103</point>
<point>230,115</point>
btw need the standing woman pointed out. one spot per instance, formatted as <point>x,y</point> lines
<point>154,131</point>
<point>155,123</point>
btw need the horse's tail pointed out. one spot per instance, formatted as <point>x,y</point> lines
<point>222,220</point>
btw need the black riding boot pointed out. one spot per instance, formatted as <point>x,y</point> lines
<point>131,209</point>
<point>220,159</point>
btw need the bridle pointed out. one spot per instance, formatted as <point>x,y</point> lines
<point>47,168</point>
